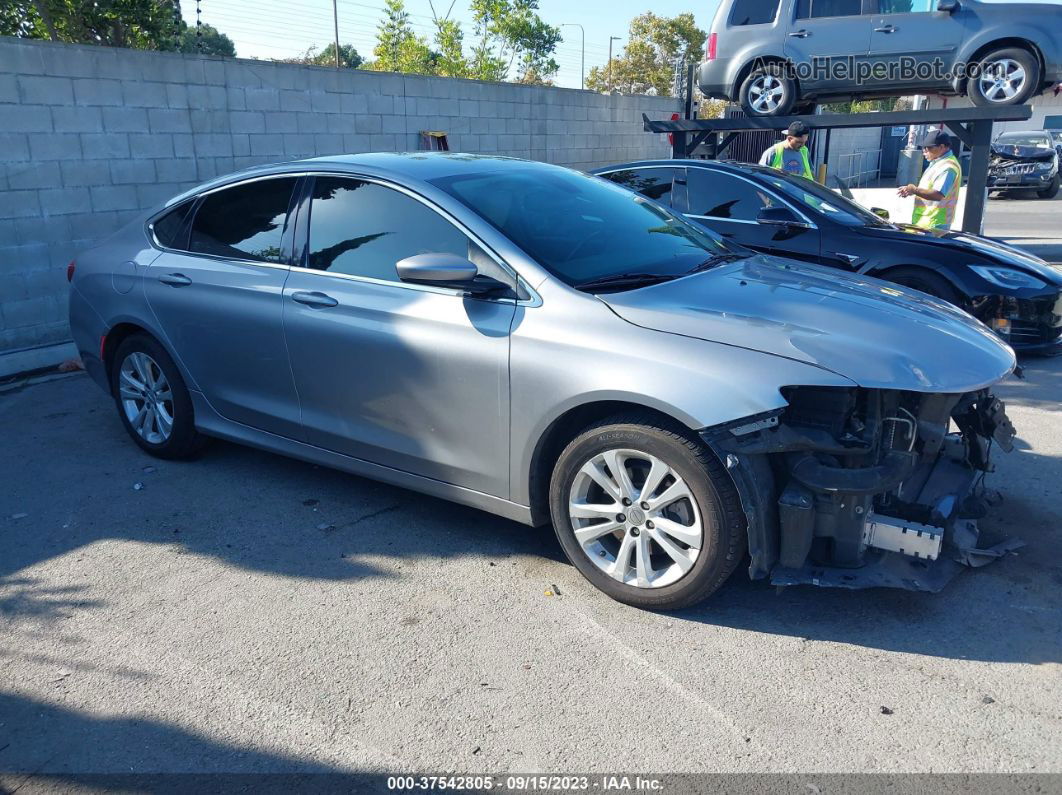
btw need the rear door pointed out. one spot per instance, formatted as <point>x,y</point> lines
<point>912,44</point>
<point>217,296</point>
<point>827,41</point>
<point>730,205</point>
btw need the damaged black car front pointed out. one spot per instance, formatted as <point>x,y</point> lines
<point>1024,161</point>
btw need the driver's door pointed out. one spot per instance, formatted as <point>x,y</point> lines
<point>411,377</point>
<point>730,206</point>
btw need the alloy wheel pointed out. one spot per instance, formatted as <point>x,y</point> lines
<point>765,94</point>
<point>1002,80</point>
<point>635,518</point>
<point>146,397</point>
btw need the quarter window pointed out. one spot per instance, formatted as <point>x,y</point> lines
<point>713,194</point>
<point>813,9</point>
<point>653,183</point>
<point>753,12</point>
<point>362,229</point>
<point>170,230</point>
<point>245,221</point>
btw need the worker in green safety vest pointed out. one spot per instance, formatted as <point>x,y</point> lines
<point>790,155</point>
<point>937,193</point>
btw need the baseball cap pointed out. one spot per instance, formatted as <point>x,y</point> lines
<point>797,128</point>
<point>935,138</point>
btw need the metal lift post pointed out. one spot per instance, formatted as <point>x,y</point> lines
<point>973,126</point>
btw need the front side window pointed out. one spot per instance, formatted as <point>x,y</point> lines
<point>245,221</point>
<point>362,229</point>
<point>814,9</point>
<point>653,183</point>
<point>716,195</point>
<point>753,12</point>
<point>820,199</point>
<point>582,228</point>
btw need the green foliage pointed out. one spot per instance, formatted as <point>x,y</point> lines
<point>348,57</point>
<point>209,42</point>
<point>862,105</point>
<point>398,49</point>
<point>449,40</point>
<point>511,34</point>
<point>648,61</point>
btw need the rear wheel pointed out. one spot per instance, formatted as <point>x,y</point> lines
<point>768,91</point>
<point>1007,76</point>
<point>152,400</point>
<point>924,280</point>
<point>1051,190</point>
<point>646,513</point>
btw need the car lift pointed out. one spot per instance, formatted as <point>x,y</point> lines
<point>973,126</point>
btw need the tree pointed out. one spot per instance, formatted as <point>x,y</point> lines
<point>398,49</point>
<point>648,61</point>
<point>209,41</point>
<point>348,57</point>
<point>510,33</point>
<point>449,39</point>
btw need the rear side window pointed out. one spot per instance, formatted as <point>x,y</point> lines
<point>812,9</point>
<point>170,230</point>
<point>906,6</point>
<point>753,12</point>
<point>713,194</point>
<point>653,183</point>
<point>244,222</point>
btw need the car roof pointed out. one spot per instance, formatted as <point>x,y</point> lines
<point>733,166</point>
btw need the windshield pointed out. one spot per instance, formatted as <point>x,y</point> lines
<point>821,199</point>
<point>1024,139</point>
<point>583,229</point>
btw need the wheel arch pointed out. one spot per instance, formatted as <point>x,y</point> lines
<point>567,426</point>
<point>984,48</point>
<point>121,331</point>
<point>747,68</point>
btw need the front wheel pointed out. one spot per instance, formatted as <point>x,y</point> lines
<point>646,513</point>
<point>1007,76</point>
<point>1051,190</point>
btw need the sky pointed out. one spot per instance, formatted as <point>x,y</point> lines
<point>285,28</point>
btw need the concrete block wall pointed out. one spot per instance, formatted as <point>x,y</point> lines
<point>89,136</point>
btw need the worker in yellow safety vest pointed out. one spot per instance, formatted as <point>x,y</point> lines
<point>790,155</point>
<point>937,193</point>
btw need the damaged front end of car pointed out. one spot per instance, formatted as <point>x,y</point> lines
<point>858,488</point>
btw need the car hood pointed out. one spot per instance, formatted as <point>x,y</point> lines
<point>871,332</point>
<point>1012,152</point>
<point>980,248</point>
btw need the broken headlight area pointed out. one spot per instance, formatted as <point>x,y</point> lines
<point>857,488</point>
<point>1024,323</point>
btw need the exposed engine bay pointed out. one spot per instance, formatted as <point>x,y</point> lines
<point>857,488</point>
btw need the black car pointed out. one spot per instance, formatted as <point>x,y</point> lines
<point>1013,292</point>
<point>1023,161</point>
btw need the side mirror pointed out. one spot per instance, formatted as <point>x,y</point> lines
<point>778,216</point>
<point>446,270</point>
<point>951,6</point>
<point>880,212</point>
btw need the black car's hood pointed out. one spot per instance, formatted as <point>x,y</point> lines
<point>982,250</point>
<point>876,334</point>
<point>1012,152</point>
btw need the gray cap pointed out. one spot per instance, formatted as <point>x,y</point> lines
<point>935,138</point>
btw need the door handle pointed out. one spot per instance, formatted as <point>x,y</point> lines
<point>799,34</point>
<point>175,279</point>
<point>886,29</point>
<point>316,300</point>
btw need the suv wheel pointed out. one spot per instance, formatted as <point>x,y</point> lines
<point>767,91</point>
<point>1007,76</point>
<point>1051,190</point>
<point>153,402</point>
<point>646,513</point>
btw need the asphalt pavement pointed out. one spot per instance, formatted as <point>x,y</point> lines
<point>250,613</point>
<point>1028,222</point>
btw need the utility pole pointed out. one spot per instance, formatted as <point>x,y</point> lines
<point>610,40</point>
<point>335,22</point>
<point>582,58</point>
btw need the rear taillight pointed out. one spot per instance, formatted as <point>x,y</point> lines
<point>709,49</point>
<point>70,270</point>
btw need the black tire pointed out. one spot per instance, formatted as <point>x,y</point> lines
<point>183,440</point>
<point>926,281</point>
<point>1051,190</point>
<point>1029,62</point>
<point>786,85</point>
<point>724,534</point>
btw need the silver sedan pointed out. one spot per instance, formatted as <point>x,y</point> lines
<point>544,345</point>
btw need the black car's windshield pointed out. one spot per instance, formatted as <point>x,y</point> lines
<point>821,199</point>
<point>585,230</point>
<point>1024,139</point>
